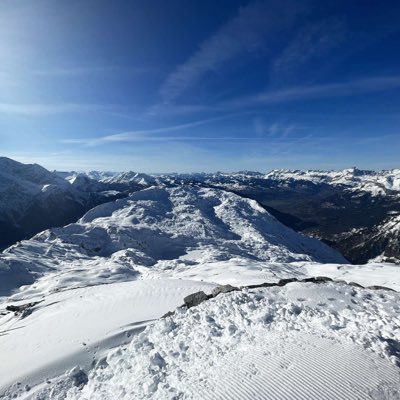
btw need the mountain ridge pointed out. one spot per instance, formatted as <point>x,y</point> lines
<point>157,227</point>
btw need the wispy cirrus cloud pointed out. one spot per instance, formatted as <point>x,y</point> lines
<point>72,71</point>
<point>246,32</point>
<point>88,70</point>
<point>148,134</point>
<point>43,109</point>
<point>295,93</point>
<point>313,41</point>
<point>340,89</point>
<point>276,130</point>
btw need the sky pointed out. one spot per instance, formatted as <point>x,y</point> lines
<point>194,85</point>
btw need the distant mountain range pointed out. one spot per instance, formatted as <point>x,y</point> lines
<point>355,211</point>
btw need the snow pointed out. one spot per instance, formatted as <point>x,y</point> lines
<point>302,341</point>
<point>79,326</point>
<point>241,272</point>
<point>104,282</point>
<point>379,274</point>
<point>392,225</point>
<point>117,240</point>
<point>375,183</point>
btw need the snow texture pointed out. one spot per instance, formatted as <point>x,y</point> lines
<point>70,295</point>
<point>302,341</point>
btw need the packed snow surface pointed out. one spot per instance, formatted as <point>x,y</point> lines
<point>302,341</point>
<point>76,292</point>
<point>74,326</point>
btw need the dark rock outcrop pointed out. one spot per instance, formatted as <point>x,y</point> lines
<point>195,299</point>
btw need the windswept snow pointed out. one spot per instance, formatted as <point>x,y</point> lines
<point>302,341</point>
<point>74,293</point>
<point>78,326</point>
<point>158,226</point>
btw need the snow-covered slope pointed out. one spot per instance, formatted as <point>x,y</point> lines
<point>21,183</point>
<point>161,227</point>
<point>381,242</point>
<point>33,198</point>
<point>71,294</point>
<point>73,327</point>
<point>302,341</point>
<point>330,205</point>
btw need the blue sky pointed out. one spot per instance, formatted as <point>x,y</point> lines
<point>162,86</point>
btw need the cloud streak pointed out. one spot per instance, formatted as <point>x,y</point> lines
<point>88,70</point>
<point>341,89</point>
<point>244,33</point>
<point>314,40</point>
<point>146,134</point>
<point>41,109</point>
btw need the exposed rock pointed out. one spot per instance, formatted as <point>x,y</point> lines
<point>355,284</point>
<point>317,279</point>
<point>258,285</point>
<point>78,376</point>
<point>168,314</point>
<point>377,287</point>
<point>195,299</point>
<point>21,309</point>
<point>284,282</point>
<point>223,289</point>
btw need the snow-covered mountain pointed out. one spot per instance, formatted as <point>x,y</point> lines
<point>381,183</point>
<point>331,206</point>
<point>123,181</point>
<point>380,243</point>
<point>130,178</point>
<point>71,294</point>
<point>33,198</point>
<point>351,179</point>
<point>164,228</point>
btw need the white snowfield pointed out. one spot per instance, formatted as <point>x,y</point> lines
<point>79,326</point>
<point>95,285</point>
<point>301,341</point>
